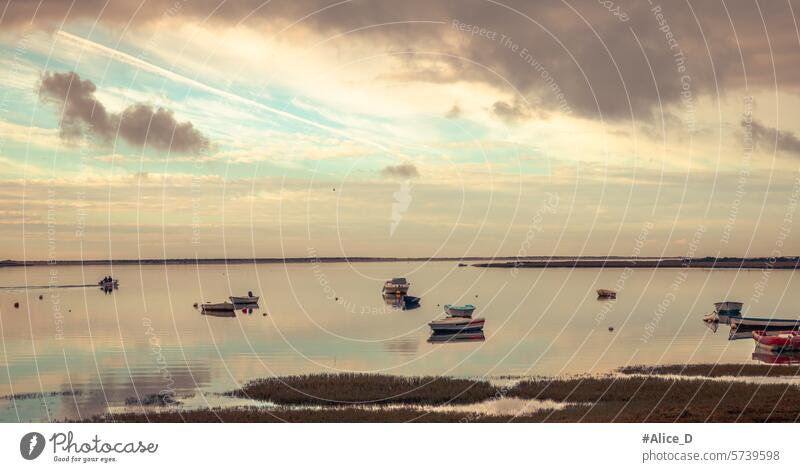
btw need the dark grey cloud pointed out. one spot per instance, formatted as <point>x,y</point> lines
<point>577,53</point>
<point>405,170</point>
<point>761,135</point>
<point>139,124</point>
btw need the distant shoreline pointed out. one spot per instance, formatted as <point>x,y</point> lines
<point>785,263</point>
<point>535,262</point>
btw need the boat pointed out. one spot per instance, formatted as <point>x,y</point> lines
<point>110,283</point>
<point>460,311</point>
<point>605,293</point>
<point>468,337</point>
<point>771,324</point>
<point>250,299</point>
<point>779,341</point>
<point>398,285</point>
<point>217,307</point>
<point>455,324</point>
<point>728,307</point>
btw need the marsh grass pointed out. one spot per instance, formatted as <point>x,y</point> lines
<point>32,395</point>
<point>715,370</point>
<point>634,399</point>
<point>338,389</point>
<point>261,415</point>
<point>658,399</point>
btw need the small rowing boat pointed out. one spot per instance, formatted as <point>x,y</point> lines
<point>605,293</point>
<point>244,300</point>
<point>769,324</point>
<point>250,299</point>
<point>778,341</point>
<point>398,285</point>
<point>460,311</point>
<point>456,325</point>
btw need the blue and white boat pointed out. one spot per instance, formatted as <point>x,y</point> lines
<point>459,311</point>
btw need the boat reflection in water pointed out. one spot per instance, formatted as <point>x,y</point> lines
<point>401,302</point>
<point>247,308</point>
<point>470,337</point>
<point>767,356</point>
<point>219,314</point>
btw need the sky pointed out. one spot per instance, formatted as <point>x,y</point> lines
<point>212,128</point>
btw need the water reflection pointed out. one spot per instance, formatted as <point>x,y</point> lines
<point>401,302</point>
<point>219,314</point>
<point>470,337</point>
<point>778,358</point>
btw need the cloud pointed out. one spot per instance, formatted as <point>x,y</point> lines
<point>580,52</point>
<point>405,170</point>
<point>785,141</point>
<point>454,112</point>
<point>513,113</point>
<point>139,124</point>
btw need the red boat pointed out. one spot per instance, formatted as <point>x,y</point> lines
<point>778,341</point>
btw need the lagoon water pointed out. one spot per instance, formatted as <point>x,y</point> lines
<point>147,337</point>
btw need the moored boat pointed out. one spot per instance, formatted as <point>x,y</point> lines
<point>248,300</point>
<point>770,324</point>
<point>605,293</point>
<point>398,285</point>
<point>456,325</point>
<point>777,341</point>
<point>460,311</point>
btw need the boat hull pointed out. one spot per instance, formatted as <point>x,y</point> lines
<point>603,293</point>
<point>244,300</point>
<point>778,341</point>
<point>446,326</point>
<point>753,324</point>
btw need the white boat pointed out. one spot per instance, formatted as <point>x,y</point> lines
<point>605,293</point>
<point>225,306</point>
<point>398,285</point>
<point>724,312</point>
<point>456,325</point>
<point>249,300</point>
<point>461,311</point>
<point>729,307</point>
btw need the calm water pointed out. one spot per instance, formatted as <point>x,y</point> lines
<point>147,337</point>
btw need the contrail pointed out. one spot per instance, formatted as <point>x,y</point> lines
<point>144,65</point>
